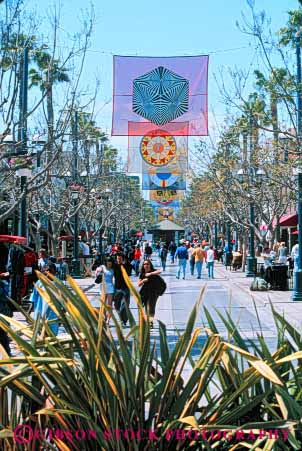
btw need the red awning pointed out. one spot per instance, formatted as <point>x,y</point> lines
<point>12,239</point>
<point>295,232</point>
<point>289,220</point>
<point>139,233</point>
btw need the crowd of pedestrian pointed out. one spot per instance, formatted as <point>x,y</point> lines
<point>136,258</point>
<point>196,254</point>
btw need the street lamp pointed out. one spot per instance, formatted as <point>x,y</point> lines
<point>75,263</point>
<point>126,209</point>
<point>23,136</point>
<point>252,177</point>
<point>144,225</point>
<point>39,142</point>
<point>215,234</point>
<point>8,145</point>
<point>297,276</point>
<point>105,195</point>
<point>229,254</point>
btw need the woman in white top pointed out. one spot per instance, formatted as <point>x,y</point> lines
<point>108,274</point>
<point>210,257</point>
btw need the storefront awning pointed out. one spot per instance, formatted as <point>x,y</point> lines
<point>13,239</point>
<point>289,220</point>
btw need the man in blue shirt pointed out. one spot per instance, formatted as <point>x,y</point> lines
<point>182,255</point>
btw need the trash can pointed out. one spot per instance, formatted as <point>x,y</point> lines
<point>279,277</point>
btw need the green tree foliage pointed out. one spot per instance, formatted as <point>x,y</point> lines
<point>287,34</point>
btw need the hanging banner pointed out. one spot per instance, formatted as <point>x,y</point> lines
<point>173,203</point>
<point>164,181</point>
<point>155,153</point>
<point>166,197</point>
<point>165,213</point>
<point>152,92</point>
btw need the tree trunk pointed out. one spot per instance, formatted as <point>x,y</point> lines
<point>274,114</point>
<point>50,121</point>
<point>244,248</point>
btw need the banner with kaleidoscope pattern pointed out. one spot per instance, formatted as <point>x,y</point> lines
<point>154,154</point>
<point>169,93</point>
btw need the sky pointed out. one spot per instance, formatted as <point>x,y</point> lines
<point>165,28</point>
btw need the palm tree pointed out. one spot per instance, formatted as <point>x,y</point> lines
<point>49,73</point>
<point>92,136</point>
<point>279,86</point>
<point>254,116</point>
<point>287,34</point>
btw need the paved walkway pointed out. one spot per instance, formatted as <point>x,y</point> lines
<point>227,292</point>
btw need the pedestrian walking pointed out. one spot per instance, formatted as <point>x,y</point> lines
<point>190,250</point>
<point>43,260</point>
<point>199,254</point>
<point>172,249</point>
<point>295,256</point>
<point>41,307</point>
<point>6,310</point>
<point>130,253</point>
<point>136,259</point>
<point>121,296</point>
<point>149,288</point>
<point>148,251</point>
<point>182,255</point>
<point>62,268</point>
<point>163,253</point>
<point>108,273</point>
<point>85,258</point>
<point>108,250</point>
<point>210,257</point>
<point>220,254</point>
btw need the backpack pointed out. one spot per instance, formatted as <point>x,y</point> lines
<point>148,250</point>
<point>159,284</point>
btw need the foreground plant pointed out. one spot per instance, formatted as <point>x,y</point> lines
<point>125,393</point>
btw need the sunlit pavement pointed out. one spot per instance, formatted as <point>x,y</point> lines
<point>227,293</point>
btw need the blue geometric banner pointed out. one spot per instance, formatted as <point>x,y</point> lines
<point>164,181</point>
